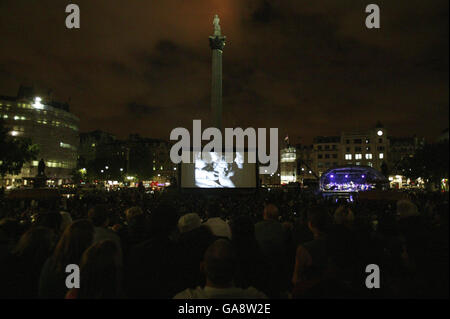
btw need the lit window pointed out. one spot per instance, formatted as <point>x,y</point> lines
<point>358,156</point>
<point>65,145</point>
<point>348,156</point>
<point>368,156</point>
<point>381,156</point>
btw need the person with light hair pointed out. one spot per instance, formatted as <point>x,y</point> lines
<point>189,222</point>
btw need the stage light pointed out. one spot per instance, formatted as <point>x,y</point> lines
<point>362,176</point>
<point>332,176</point>
<point>346,176</point>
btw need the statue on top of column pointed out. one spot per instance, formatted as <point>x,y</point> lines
<point>216,25</point>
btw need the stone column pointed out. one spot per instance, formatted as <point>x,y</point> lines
<point>216,43</point>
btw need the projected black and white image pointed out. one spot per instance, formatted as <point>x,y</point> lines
<point>213,171</point>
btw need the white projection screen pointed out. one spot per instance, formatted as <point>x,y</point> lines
<point>218,173</point>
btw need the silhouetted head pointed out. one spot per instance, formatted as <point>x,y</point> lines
<point>319,221</point>
<point>242,227</point>
<point>212,210</point>
<point>219,264</point>
<point>133,212</point>
<point>163,219</point>
<point>99,215</point>
<point>50,220</point>
<point>99,271</point>
<point>271,212</point>
<point>35,245</point>
<point>10,231</point>
<point>75,239</point>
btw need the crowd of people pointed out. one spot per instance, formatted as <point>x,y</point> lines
<point>278,244</point>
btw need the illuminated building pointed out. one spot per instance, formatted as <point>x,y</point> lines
<point>50,125</point>
<point>288,165</point>
<point>138,157</point>
<point>365,148</point>
<point>328,155</point>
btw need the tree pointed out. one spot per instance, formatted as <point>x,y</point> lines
<point>15,152</point>
<point>429,163</point>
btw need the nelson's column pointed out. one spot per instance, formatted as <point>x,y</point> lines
<point>216,42</point>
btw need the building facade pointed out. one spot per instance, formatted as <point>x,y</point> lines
<point>401,148</point>
<point>105,157</point>
<point>367,148</point>
<point>361,148</point>
<point>288,165</point>
<point>327,151</point>
<point>50,125</point>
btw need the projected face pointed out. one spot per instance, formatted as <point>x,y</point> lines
<point>216,172</point>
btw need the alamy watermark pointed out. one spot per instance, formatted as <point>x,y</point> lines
<point>182,152</point>
<point>73,17</point>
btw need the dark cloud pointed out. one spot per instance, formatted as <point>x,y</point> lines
<point>307,67</point>
<point>138,110</point>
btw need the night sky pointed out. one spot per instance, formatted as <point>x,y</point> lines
<point>307,67</point>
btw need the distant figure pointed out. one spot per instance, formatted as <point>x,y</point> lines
<point>41,168</point>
